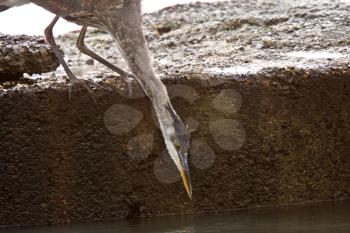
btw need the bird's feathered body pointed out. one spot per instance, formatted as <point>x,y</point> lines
<point>7,4</point>
<point>123,21</point>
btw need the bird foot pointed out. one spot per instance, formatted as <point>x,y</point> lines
<point>129,79</point>
<point>87,84</point>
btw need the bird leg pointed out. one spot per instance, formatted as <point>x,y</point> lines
<point>72,78</point>
<point>82,47</point>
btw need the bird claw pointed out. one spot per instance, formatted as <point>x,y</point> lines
<point>87,84</point>
<point>130,82</point>
<point>129,79</point>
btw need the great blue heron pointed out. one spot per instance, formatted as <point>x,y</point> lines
<point>123,21</point>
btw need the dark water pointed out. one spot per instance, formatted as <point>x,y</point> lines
<point>320,218</point>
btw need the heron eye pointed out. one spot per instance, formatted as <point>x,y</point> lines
<point>177,145</point>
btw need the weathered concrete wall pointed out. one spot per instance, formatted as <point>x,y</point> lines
<point>271,136</point>
<point>25,54</point>
<point>59,163</point>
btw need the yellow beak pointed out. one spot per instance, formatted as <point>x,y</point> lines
<point>187,183</point>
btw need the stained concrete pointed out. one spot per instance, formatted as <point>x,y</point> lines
<point>23,54</point>
<point>270,124</point>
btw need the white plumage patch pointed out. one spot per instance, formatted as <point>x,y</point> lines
<point>173,153</point>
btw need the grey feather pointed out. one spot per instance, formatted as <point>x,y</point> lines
<point>7,4</point>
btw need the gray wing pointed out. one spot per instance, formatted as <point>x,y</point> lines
<point>60,7</point>
<point>7,4</point>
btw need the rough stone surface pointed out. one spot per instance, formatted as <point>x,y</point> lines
<point>270,124</point>
<point>24,54</point>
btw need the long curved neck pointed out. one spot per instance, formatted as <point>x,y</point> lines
<point>125,25</point>
<point>126,28</point>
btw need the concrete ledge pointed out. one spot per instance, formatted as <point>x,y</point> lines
<point>59,162</point>
<point>25,54</point>
<point>269,136</point>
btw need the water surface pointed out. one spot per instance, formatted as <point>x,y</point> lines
<point>319,218</point>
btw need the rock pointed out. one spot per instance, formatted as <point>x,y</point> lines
<point>285,106</point>
<point>25,54</point>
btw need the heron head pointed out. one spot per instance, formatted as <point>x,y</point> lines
<point>178,144</point>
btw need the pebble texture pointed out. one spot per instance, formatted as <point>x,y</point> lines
<point>25,54</point>
<point>270,121</point>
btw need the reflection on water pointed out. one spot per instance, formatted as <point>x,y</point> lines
<point>320,218</point>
